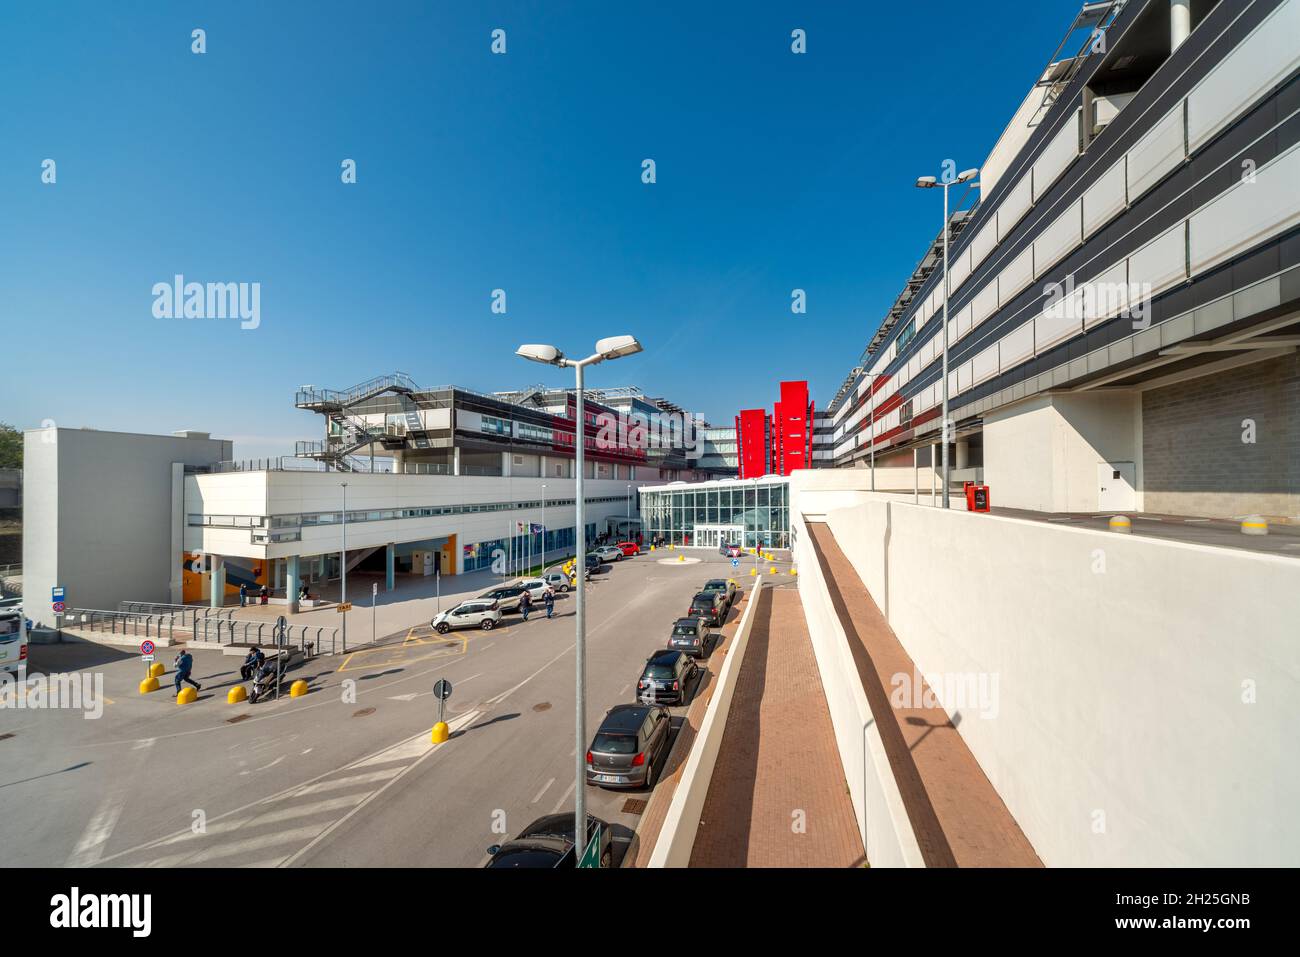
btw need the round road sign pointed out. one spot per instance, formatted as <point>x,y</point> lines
<point>146,647</point>
<point>442,689</point>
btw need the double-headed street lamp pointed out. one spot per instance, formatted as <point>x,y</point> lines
<point>614,347</point>
<point>929,182</point>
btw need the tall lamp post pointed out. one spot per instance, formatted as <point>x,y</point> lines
<point>543,528</point>
<point>929,182</point>
<point>343,566</point>
<point>628,530</point>
<point>614,347</point>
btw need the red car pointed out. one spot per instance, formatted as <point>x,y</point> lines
<point>732,551</point>
<point>629,548</point>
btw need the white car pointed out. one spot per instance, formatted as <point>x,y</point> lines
<point>13,641</point>
<point>608,553</point>
<point>536,587</point>
<point>558,581</point>
<point>476,613</point>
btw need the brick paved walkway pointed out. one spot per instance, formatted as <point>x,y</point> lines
<point>778,797</point>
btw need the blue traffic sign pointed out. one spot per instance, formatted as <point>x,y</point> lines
<point>56,593</point>
<point>735,563</point>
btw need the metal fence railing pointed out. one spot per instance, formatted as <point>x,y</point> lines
<point>132,624</point>
<point>185,615</point>
<point>313,639</point>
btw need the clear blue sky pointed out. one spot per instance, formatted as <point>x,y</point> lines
<point>475,172</point>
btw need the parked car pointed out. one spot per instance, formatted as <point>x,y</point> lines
<point>725,587</point>
<point>628,742</point>
<point>666,677</point>
<point>609,553</point>
<point>548,842</point>
<point>536,586</point>
<point>692,636</point>
<point>558,581</point>
<point>730,550</point>
<point>709,605</point>
<point>475,613</point>
<point>629,548</point>
<point>594,563</point>
<point>507,597</point>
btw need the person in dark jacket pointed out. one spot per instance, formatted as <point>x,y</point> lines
<point>548,599</point>
<point>266,595</point>
<point>243,594</point>
<point>251,663</point>
<point>184,665</point>
<point>525,604</point>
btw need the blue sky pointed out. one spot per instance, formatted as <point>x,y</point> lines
<point>475,171</point>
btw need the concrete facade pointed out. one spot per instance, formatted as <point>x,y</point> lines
<point>1044,453</point>
<point>1226,445</point>
<point>100,514</point>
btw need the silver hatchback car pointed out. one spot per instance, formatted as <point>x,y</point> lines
<point>627,746</point>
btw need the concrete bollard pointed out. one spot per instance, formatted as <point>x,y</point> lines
<point>1121,524</point>
<point>187,696</point>
<point>236,694</point>
<point>149,684</point>
<point>298,689</point>
<point>440,732</point>
<point>1254,525</point>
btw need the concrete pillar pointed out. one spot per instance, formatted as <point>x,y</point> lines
<point>397,461</point>
<point>217,598</point>
<point>455,460</point>
<point>541,466</point>
<point>934,468</point>
<point>963,453</point>
<point>505,463</point>
<point>1180,23</point>
<point>292,584</point>
<point>390,564</point>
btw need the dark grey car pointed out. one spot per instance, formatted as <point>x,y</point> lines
<point>626,746</point>
<point>548,842</point>
<point>666,678</point>
<point>693,636</point>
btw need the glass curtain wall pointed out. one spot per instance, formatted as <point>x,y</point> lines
<point>762,508</point>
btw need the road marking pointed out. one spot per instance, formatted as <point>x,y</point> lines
<point>434,749</point>
<point>90,848</point>
<point>508,692</point>
<point>546,787</point>
<point>369,778</point>
<point>404,697</point>
<point>622,691</point>
<point>564,798</point>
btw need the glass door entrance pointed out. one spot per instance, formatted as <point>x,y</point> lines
<point>712,536</point>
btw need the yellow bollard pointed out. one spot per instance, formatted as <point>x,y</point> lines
<point>149,684</point>
<point>187,696</point>
<point>1121,524</point>
<point>157,669</point>
<point>298,689</point>
<point>771,569</point>
<point>440,732</point>
<point>753,572</point>
<point>681,558</point>
<point>236,694</point>
<point>1254,525</point>
<point>793,570</point>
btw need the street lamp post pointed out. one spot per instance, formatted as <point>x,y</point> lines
<point>543,528</point>
<point>343,567</point>
<point>929,182</point>
<point>614,347</point>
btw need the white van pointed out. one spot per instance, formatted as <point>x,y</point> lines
<point>13,641</point>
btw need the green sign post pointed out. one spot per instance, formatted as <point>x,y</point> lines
<point>591,856</point>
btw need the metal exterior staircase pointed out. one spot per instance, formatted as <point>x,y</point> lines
<point>347,432</point>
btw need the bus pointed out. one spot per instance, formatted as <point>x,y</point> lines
<point>13,641</point>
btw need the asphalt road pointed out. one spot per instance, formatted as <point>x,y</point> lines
<point>346,775</point>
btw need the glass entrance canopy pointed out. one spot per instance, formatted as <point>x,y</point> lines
<point>690,513</point>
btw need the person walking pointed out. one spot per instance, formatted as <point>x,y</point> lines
<point>525,604</point>
<point>243,594</point>
<point>266,595</point>
<point>184,665</point>
<point>548,599</point>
